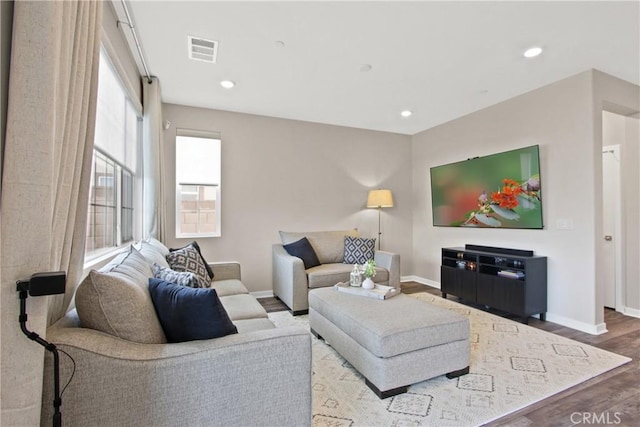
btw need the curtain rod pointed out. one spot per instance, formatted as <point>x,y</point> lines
<point>135,39</point>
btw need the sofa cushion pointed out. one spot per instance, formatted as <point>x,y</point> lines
<point>204,261</point>
<point>189,259</point>
<point>250,325</point>
<point>189,314</point>
<point>229,287</point>
<point>303,250</point>
<point>328,245</point>
<point>329,274</point>
<point>158,245</point>
<point>184,278</point>
<point>243,306</point>
<point>153,254</point>
<point>115,305</point>
<point>130,264</point>
<point>358,250</point>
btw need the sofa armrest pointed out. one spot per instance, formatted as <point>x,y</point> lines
<point>391,262</point>
<point>225,270</point>
<point>289,279</point>
<point>225,381</point>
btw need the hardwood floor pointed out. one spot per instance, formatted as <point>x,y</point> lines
<point>609,399</point>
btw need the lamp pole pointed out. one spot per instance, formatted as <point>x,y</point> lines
<point>379,199</point>
<point>379,229</point>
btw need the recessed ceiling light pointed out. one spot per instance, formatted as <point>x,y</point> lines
<point>406,113</point>
<point>365,67</point>
<point>532,51</point>
<point>227,84</point>
<point>279,43</point>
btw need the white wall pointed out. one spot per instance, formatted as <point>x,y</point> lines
<point>280,174</point>
<point>560,119</point>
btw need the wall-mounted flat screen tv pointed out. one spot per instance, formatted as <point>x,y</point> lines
<point>497,191</point>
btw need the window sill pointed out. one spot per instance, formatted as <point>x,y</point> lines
<point>98,260</point>
<point>196,235</point>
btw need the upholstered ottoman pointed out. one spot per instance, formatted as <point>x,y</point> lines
<point>393,343</point>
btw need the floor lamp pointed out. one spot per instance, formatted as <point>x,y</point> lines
<point>379,199</point>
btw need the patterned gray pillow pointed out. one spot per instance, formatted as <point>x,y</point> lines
<point>185,278</point>
<point>358,250</point>
<point>189,259</point>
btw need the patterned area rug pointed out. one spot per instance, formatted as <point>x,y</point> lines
<point>512,366</point>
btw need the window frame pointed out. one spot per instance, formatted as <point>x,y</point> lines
<point>179,233</point>
<point>132,109</point>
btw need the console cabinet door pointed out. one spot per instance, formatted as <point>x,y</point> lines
<point>458,282</point>
<point>502,293</point>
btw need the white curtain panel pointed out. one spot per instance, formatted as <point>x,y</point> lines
<point>154,221</point>
<point>45,182</point>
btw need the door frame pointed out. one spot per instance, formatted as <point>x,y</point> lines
<point>618,263</point>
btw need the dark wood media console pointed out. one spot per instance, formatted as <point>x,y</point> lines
<point>511,280</point>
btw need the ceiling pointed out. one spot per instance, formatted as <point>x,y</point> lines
<point>441,60</point>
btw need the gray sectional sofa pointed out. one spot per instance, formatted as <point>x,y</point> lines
<point>292,282</point>
<point>127,374</point>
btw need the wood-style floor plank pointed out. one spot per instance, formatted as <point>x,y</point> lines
<point>612,398</point>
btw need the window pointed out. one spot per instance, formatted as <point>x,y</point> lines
<point>113,193</point>
<point>102,204</point>
<point>197,184</point>
<point>126,206</point>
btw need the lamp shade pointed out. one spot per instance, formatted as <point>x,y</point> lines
<point>380,199</point>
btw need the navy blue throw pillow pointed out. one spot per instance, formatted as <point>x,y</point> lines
<point>303,250</point>
<point>188,314</point>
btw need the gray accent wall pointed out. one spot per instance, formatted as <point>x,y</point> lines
<point>565,120</point>
<point>280,174</point>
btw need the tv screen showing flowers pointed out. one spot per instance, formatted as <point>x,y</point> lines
<point>497,191</point>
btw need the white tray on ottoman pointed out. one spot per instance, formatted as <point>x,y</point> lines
<point>378,292</point>
<point>394,342</point>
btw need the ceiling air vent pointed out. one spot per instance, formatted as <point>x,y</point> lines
<point>203,49</point>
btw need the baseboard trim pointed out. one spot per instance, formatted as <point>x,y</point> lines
<point>560,320</point>
<point>633,312</point>
<point>598,329</point>
<point>420,280</point>
<point>262,294</point>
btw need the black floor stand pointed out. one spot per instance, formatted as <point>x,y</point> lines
<point>57,401</point>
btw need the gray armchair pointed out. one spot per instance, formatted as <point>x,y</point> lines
<point>291,282</point>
